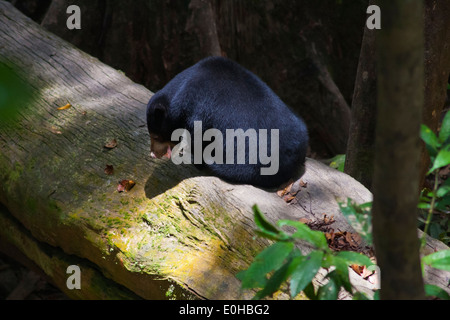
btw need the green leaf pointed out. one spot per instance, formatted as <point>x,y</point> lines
<point>360,296</point>
<point>434,291</point>
<point>268,260</point>
<point>442,204</point>
<point>351,257</point>
<point>442,159</point>
<point>303,271</point>
<point>341,272</point>
<point>423,205</point>
<point>338,162</point>
<point>359,217</point>
<point>376,296</point>
<point>303,232</point>
<point>444,189</point>
<point>435,230</point>
<point>438,260</point>
<point>309,292</point>
<point>267,229</point>
<point>444,134</point>
<point>274,283</point>
<point>430,139</point>
<point>329,291</point>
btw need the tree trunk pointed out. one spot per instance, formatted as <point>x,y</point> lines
<point>361,142</point>
<point>203,23</point>
<point>332,119</point>
<point>400,53</point>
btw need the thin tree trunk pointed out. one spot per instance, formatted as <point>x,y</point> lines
<point>361,140</point>
<point>203,23</point>
<point>400,53</point>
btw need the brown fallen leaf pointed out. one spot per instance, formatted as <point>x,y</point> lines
<point>289,197</point>
<point>109,169</point>
<point>285,188</point>
<point>366,273</point>
<point>111,144</point>
<point>303,184</point>
<point>353,239</point>
<point>362,271</point>
<point>125,185</point>
<point>329,236</point>
<point>67,106</point>
<point>305,220</point>
<point>327,220</point>
<point>288,191</point>
<point>357,268</point>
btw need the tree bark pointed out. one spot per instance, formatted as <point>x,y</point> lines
<point>203,23</point>
<point>332,119</point>
<point>400,54</point>
<point>361,141</point>
<point>143,38</point>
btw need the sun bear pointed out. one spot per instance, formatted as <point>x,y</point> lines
<point>219,115</point>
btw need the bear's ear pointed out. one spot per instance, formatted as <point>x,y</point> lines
<point>160,111</point>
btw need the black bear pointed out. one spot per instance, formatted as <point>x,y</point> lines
<point>256,138</point>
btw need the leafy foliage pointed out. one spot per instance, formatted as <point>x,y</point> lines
<point>338,162</point>
<point>282,261</point>
<point>438,199</point>
<point>359,217</point>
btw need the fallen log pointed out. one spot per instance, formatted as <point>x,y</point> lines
<point>175,234</point>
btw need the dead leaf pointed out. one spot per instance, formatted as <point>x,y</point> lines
<point>303,184</point>
<point>305,220</point>
<point>357,268</point>
<point>288,191</point>
<point>327,220</point>
<point>109,170</point>
<point>285,188</point>
<point>288,198</point>
<point>354,239</point>
<point>125,185</point>
<point>362,271</point>
<point>67,106</point>
<point>366,273</point>
<point>329,236</point>
<point>111,144</point>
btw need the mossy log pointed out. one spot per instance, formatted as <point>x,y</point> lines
<point>175,234</point>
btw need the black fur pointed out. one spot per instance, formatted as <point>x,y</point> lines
<point>224,95</point>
